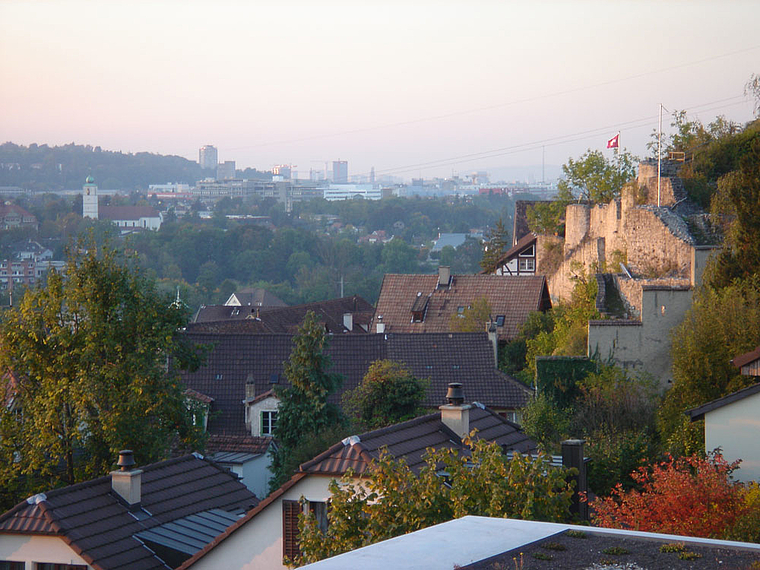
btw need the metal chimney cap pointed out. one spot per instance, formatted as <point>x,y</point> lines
<point>126,460</point>
<point>455,394</point>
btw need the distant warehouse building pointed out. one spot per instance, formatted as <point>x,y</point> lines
<point>352,191</point>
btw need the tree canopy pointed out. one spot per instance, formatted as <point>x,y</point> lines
<point>303,407</point>
<point>595,178</point>
<point>387,395</point>
<point>393,500</point>
<point>84,360</point>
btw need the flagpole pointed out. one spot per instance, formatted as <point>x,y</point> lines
<point>659,155</point>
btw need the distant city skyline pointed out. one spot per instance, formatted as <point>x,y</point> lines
<point>418,89</point>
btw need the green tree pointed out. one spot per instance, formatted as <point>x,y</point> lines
<point>497,243</point>
<point>391,500</point>
<point>472,318</point>
<point>303,407</point>
<point>721,324</point>
<point>387,395</point>
<point>85,366</point>
<point>399,257</point>
<point>594,178</point>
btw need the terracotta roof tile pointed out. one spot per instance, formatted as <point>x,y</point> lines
<point>515,297</point>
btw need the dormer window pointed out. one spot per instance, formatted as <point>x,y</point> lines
<point>419,308</point>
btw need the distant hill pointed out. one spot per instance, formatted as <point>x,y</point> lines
<point>41,167</point>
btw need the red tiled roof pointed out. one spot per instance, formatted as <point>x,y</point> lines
<point>198,396</point>
<point>257,359</point>
<point>746,358</point>
<point>238,444</point>
<point>99,528</point>
<point>512,296</point>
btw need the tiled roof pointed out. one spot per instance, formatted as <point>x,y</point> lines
<point>198,396</point>
<point>237,444</point>
<point>101,529</point>
<point>407,440</point>
<point>230,319</point>
<point>746,358</point>
<point>257,359</point>
<point>410,439</point>
<point>257,297</point>
<point>126,212</point>
<point>514,296</point>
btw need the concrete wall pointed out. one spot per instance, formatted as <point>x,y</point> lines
<point>734,429</point>
<point>31,549</point>
<point>258,544</point>
<point>643,346</point>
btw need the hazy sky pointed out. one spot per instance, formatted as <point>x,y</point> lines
<point>411,88</point>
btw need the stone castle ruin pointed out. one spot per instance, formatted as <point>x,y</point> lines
<point>646,259</point>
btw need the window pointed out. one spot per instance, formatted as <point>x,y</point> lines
<point>290,510</point>
<point>527,264</point>
<point>500,320</point>
<point>528,252</point>
<point>268,422</point>
<point>9,565</point>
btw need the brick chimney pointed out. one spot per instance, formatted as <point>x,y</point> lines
<point>456,414</point>
<point>126,482</point>
<point>444,276</point>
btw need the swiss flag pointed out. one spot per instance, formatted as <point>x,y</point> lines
<point>613,142</point>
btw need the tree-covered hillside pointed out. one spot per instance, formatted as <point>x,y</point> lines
<point>45,168</point>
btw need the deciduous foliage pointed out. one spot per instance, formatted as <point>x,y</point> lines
<point>387,395</point>
<point>721,324</point>
<point>303,407</point>
<point>392,500</point>
<point>472,318</point>
<point>690,496</point>
<point>594,178</point>
<point>85,369</point>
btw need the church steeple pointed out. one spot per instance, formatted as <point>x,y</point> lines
<point>90,199</point>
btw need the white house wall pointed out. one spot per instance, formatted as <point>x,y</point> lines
<point>735,428</point>
<point>254,413</point>
<point>257,545</point>
<point>35,548</point>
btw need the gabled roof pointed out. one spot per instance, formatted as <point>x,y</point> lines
<point>257,359</point>
<point>256,297</point>
<point>101,529</point>
<point>407,440</point>
<point>699,413</point>
<point>514,296</point>
<point>524,242</point>
<point>746,358</point>
<point>410,439</point>
<point>126,212</point>
<point>245,319</point>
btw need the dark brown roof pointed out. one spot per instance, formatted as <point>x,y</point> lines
<point>101,529</point>
<point>699,413</point>
<point>410,439</point>
<point>746,358</point>
<point>257,359</point>
<point>513,251</point>
<point>126,212</point>
<point>198,396</point>
<point>520,227</point>
<point>407,440</point>
<point>514,296</point>
<point>257,297</point>
<point>231,319</point>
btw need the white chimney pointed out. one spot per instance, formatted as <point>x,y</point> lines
<point>127,482</point>
<point>456,414</point>
<point>348,321</point>
<point>380,325</point>
<point>444,276</point>
<point>493,336</point>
